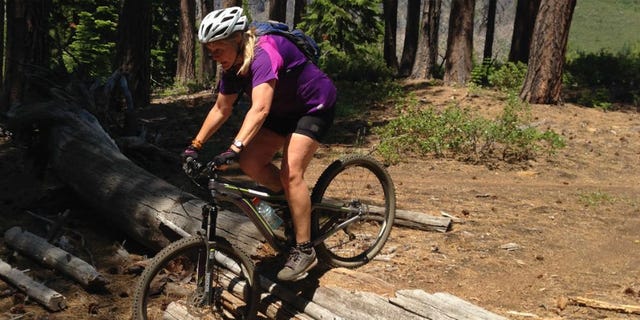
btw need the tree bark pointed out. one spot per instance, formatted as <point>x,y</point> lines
<point>186,43</point>
<point>427,54</point>
<point>526,12</point>
<point>390,9</point>
<point>26,44</point>
<point>298,11</point>
<point>543,82</point>
<point>278,10</point>
<point>206,66</point>
<point>412,31</point>
<point>133,50</point>
<point>491,27</point>
<point>458,58</point>
<point>231,3</point>
<point>2,43</point>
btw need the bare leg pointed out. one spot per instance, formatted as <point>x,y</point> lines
<point>298,153</point>
<point>255,159</point>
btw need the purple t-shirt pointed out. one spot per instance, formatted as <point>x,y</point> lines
<point>301,87</point>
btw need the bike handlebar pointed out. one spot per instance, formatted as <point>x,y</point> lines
<point>196,169</point>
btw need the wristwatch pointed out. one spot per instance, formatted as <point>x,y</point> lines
<point>238,144</point>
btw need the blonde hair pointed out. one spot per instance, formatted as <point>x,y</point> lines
<point>248,51</point>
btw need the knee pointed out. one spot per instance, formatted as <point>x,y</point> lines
<point>290,178</point>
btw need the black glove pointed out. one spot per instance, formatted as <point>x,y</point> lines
<point>189,152</point>
<point>227,157</point>
<point>188,155</point>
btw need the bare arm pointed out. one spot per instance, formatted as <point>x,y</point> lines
<point>218,114</point>
<point>261,97</point>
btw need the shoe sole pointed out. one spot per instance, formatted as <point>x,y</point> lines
<point>304,273</point>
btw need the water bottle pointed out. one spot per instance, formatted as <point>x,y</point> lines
<point>268,213</point>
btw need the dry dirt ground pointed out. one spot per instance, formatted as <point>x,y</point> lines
<point>529,238</point>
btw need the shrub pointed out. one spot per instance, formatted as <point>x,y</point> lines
<point>508,77</point>
<point>605,77</point>
<point>455,132</point>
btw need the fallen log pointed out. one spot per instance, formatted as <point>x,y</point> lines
<point>413,219</point>
<point>147,208</point>
<point>421,221</point>
<point>597,304</point>
<point>441,306</point>
<point>40,250</point>
<point>49,298</point>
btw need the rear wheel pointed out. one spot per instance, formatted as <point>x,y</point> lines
<point>171,287</point>
<point>362,189</point>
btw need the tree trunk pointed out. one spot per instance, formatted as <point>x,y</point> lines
<point>412,31</point>
<point>186,43</point>
<point>298,11</point>
<point>460,42</point>
<point>133,50</point>
<point>206,66</point>
<point>231,3</point>
<point>278,10</point>
<point>2,24</point>
<point>26,44</point>
<point>491,27</point>
<point>145,207</point>
<point>543,82</point>
<point>427,54</point>
<point>526,13</point>
<point>390,8</point>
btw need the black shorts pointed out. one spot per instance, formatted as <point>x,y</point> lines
<point>314,126</point>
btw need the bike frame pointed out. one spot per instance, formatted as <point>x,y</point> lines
<point>228,191</point>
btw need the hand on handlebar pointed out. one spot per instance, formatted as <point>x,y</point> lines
<point>189,152</point>
<point>189,164</point>
<point>225,158</point>
<point>191,167</point>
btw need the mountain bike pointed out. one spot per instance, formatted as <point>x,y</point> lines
<point>206,277</point>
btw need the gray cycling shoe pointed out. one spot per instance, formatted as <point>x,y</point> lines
<point>298,264</point>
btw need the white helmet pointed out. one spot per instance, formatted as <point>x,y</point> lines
<point>221,23</point>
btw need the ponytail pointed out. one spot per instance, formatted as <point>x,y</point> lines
<point>248,52</point>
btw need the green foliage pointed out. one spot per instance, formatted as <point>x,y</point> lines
<point>367,66</point>
<point>604,77</point>
<point>355,98</point>
<point>91,51</point>
<point>480,72</point>
<point>179,89</point>
<point>84,34</point>
<point>349,34</point>
<point>455,132</point>
<point>164,43</point>
<point>507,77</point>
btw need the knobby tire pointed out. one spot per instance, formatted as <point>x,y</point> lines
<point>363,183</point>
<point>168,283</point>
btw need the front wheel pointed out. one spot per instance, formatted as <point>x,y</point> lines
<point>357,188</point>
<point>172,286</point>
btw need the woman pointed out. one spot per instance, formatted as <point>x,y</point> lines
<point>292,108</point>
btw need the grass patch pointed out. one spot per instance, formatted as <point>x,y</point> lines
<point>595,198</point>
<point>604,24</point>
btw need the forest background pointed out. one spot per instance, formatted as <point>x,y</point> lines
<point>389,107</point>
